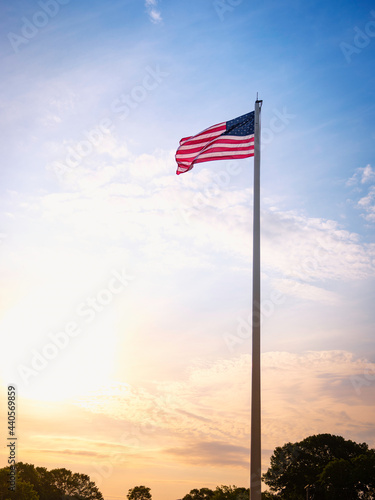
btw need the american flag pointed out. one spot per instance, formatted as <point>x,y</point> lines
<point>225,141</point>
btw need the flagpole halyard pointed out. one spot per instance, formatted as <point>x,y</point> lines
<point>255,450</point>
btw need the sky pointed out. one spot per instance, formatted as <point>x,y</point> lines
<point>125,291</point>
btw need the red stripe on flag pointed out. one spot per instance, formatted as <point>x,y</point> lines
<point>211,144</point>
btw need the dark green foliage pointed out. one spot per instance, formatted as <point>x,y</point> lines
<point>40,479</point>
<point>230,493</point>
<point>334,469</point>
<point>24,491</point>
<point>224,493</point>
<point>220,493</point>
<point>267,495</point>
<point>336,477</point>
<point>37,483</point>
<point>75,486</point>
<point>139,493</point>
<point>347,479</point>
<point>202,494</point>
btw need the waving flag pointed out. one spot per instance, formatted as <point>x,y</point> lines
<point>224,141</point>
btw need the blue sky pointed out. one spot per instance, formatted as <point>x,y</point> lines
<point>137,282</point>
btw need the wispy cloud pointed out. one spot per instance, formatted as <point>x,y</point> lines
<point>115,195</point>
<point>368,204</point>
<point>211,453</point>
<point>153,12</point>
<point>304,291</point>
<point>361,177</point>
<point>305,393</point>
<point>313,249</point>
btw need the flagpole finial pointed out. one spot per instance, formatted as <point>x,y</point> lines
<point>259,101</point>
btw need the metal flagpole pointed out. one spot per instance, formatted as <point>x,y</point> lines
<point>255,452</point>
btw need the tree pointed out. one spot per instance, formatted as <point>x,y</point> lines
<point>330,465</point>
<point>57,484</point>
<point>139,493</point>
<point>75,486</point>
<point>364,474</point>
<point>266,495</point>
<point>40,479</point>
<point>337,481</point>
<point>347,479</point>
<point>220,493</point>
<point>230,493</point>
<point>24,491</point>
<point>201,494</point>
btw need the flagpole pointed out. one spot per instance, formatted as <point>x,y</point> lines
<point>255,451</point>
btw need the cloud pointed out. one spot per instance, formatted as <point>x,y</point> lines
<point>211,453</point>
<point>305,291</point>
<point>317,390</point>
<point>153,12</point>
<point>362,176</point>
<point>368,174</point>
<point>206,415</point>
<point>121,200</point>
<point>91,454</point>
<point>368,204</point>
<point>310,249</point>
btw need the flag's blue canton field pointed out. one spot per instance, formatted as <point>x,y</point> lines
<point>243,125</point>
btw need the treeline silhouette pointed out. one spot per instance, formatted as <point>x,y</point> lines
<point>320,467</point>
